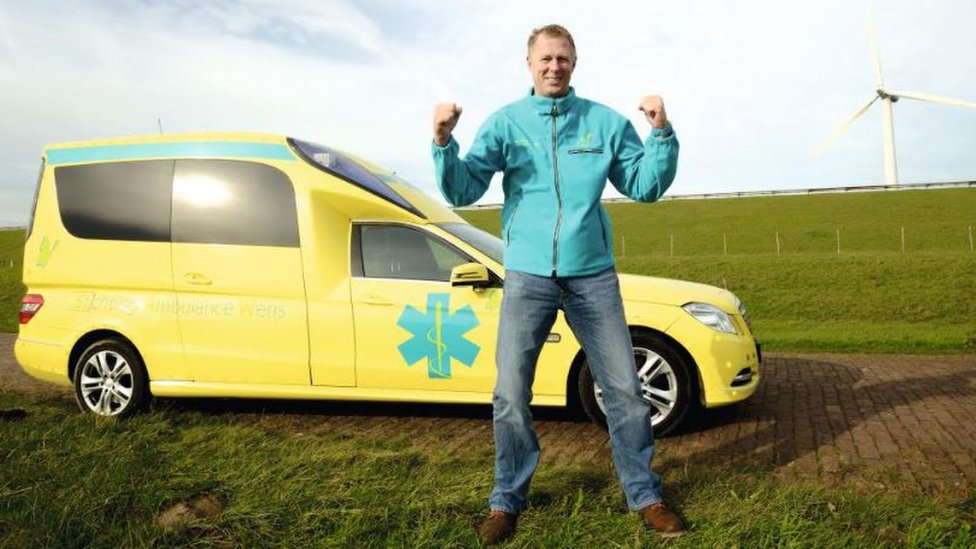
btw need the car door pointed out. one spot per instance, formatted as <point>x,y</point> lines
<point>238,273</point>
<point>414,331</point>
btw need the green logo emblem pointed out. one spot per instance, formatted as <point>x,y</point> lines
<point>585,140</point>
<point>45,252</point>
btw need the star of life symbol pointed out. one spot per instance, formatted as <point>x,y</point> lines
<point>438,335</point>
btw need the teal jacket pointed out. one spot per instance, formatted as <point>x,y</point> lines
<point>556,156</point>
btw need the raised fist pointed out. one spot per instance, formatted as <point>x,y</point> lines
<point>446,117</point>
<point>653,108</point>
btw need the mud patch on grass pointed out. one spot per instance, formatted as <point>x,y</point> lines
<point>13,414</point>
<point>201,508</point>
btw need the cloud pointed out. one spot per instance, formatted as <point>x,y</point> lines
<point>751,86</point>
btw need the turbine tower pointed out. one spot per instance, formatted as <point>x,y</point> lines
<point>887,97</point>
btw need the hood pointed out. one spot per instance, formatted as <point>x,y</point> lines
<point>666,291</point>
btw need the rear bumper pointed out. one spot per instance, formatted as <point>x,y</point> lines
<point>44,360</point>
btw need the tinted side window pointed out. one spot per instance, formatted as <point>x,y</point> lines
<point>402,252</point>
<point>116,201</point>
<point>33,211</point>
<point>233,202</point>
<point>345,168</point>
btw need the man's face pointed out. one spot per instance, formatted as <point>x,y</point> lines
<point>551,62</point>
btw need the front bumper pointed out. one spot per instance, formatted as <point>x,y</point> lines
<point>728,364</point>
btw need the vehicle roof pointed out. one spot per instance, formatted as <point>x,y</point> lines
<point>255,137</point>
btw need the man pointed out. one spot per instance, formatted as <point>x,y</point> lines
<point>556,152</point>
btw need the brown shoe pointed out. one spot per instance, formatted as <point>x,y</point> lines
<point>498,527</point>
<point>662,520</point>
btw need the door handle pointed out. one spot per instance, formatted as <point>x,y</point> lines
<point>197,279</point>
<point>374,299</point>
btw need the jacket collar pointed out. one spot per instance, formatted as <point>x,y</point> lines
<point>544,104</point>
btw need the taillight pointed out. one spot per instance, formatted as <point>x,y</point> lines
<point>29,307</point>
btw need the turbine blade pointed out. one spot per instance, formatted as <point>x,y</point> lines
<point>934,99</point>
<point>875,57</point>
<point>833,137</point>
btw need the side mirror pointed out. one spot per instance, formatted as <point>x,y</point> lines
<point>470,274</point>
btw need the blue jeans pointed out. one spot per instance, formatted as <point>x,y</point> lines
<point>595,313</point>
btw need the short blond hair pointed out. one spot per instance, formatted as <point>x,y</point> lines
<point>554,31</point>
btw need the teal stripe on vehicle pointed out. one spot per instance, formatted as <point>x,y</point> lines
<point>192,149</point>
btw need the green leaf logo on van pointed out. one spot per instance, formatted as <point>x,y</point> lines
<point>45,252</point>
<point>438,335</point>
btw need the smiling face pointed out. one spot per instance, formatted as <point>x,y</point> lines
<point>551,61</point>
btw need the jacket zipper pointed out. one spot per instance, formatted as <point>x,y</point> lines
<point>508,231</point>
<point>559,199</point>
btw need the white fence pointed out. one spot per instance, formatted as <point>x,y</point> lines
<point>833,240</point>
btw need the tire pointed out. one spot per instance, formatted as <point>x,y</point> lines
<point>670,389</point>
<point>110,380</point>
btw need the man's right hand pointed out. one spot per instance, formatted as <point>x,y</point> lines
<point>445,119</point>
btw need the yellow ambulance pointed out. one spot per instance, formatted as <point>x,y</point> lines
<point>262,266</point>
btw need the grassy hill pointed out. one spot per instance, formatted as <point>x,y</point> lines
<point>11,267</point>
<point>870,297</point>
<point>935,220</point>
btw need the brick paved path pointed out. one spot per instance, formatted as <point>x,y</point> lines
<point>875,419</point>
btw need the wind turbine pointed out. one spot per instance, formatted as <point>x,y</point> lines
<point>887,97</point>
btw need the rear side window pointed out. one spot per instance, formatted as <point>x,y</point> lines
<point>37,191</point>
<point>233,202</point>
<point>116,201</point>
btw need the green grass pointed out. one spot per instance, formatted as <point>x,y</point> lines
<point>76,480</point>
<point>867,302</point>
<point>870,297</point>
<point>11,269</point>
<point>934,220</point>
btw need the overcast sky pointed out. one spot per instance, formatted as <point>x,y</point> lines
<point>751,86</point>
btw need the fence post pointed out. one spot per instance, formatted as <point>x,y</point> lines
<point>838,241</point>
<point>777,242</point>
<point>672,244</point>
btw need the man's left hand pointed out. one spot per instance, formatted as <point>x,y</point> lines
<point>653,108</point>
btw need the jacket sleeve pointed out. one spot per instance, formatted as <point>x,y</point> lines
<point>644,172</point>
<point>462,182</point>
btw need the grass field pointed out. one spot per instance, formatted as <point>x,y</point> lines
<point>11,288</point>
<point>870,297</point>
<point>935,220</point>
<point>72,480</point>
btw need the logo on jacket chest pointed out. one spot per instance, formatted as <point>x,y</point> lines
<point>586,143</point>
<point>527,144</point>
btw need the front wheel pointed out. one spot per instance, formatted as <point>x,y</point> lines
<point>666,381</point>
<point>110,379</point>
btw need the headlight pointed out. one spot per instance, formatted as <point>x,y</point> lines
<point>742,311</point>
<point>711,316</point>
